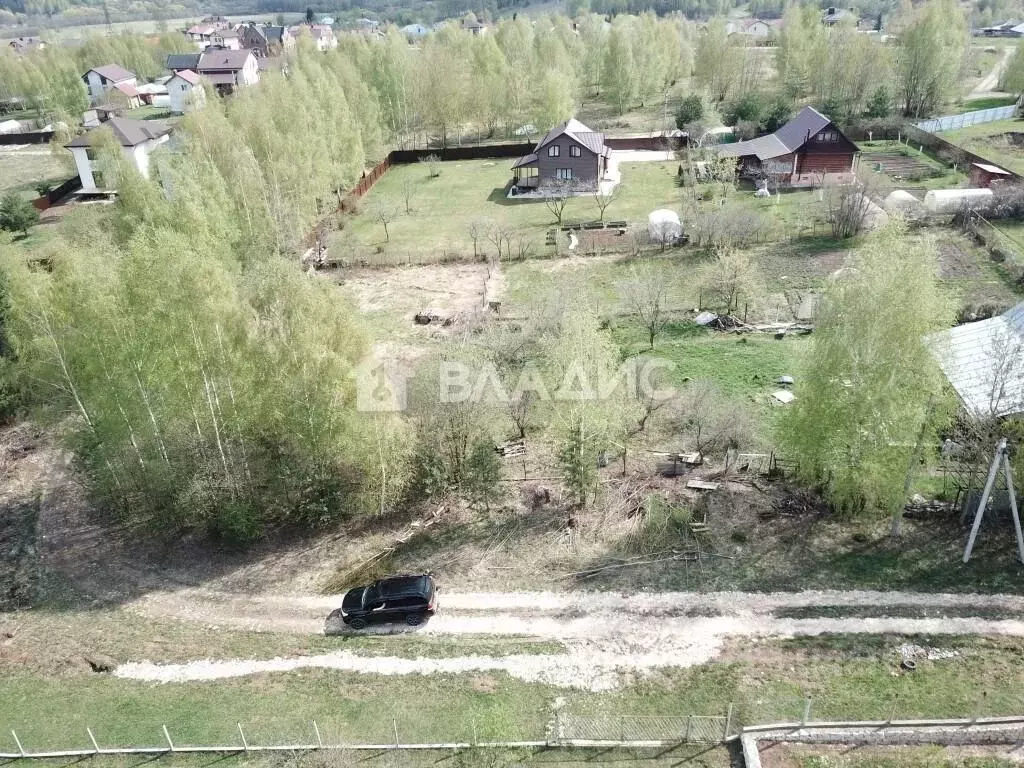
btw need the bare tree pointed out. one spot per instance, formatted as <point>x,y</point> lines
<point>646,293</point>
<point>476,230</point>
<point>385,213</point>
<point>499,235</point>
<point>714,422</point>
<point>556,197</point>
<point>850,207</point>
<point>604,199</point>
<point>725,281</point>
<point>519,409</point>
<point>408,191</point>
<point>433,163</point>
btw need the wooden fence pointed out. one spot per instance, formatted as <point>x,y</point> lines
<point>28,137</point>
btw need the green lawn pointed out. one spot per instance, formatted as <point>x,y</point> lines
<point>989,141</point>
<point>846,677</point>
<point>22,168</point>
<point>151,112</point>
<point>989,102</point>
<point>443,208</point>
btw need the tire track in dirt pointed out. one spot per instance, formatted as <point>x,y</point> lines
<point>606,635</point>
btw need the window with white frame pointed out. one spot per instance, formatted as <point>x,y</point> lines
<point>574,151</point>
<point>553,150</point>
<point>563,174</point>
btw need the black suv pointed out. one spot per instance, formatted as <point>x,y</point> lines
<point>396,598</point>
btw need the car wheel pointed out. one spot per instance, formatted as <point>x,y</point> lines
<point>358,623</point>
<point>413,619</point>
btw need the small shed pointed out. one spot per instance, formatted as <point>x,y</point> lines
<point>663,226</point>
<point>984,175</point>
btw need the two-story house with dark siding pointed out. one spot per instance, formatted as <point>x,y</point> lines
<point>570,153</point>
<point>798,154</point>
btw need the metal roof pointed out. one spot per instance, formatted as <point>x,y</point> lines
<point>176,61</point>
<point>128,132</point>
<point>991,169</point>
<point>789,138</point>
<point>984,362</point>
<point>222,60</point>
<point>113,73</point>
<point>188,76</point>
<point>529,159</point>
<point>574,129</point>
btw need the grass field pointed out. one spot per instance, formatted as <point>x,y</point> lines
<point>846,677</point>
<point>989,140</point>
<point>21,169</point>
<point>442,209</point>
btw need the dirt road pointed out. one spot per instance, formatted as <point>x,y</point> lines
<point>606,636</point>
<point>990,83</point>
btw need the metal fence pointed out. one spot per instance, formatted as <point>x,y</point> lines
<point>967,119</point>
<point>564,729</point>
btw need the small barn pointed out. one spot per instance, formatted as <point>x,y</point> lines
<point>802,152</point>
<point>985,175</point>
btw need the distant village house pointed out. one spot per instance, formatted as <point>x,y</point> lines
<point>100,81</point>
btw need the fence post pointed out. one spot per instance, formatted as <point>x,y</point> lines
<point>93,740</point>
<point>475,739</point>
<point>21,749</point>
<point>319,741</point>
<point>394,725</point>
<point>689,728</point>
<point>807,711</point>
<point>245,744</point>
<point>622,727</point>
<point>728,721</point>
<point>170,743</point>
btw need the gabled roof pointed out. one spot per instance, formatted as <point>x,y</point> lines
<point>984,362</point>
<point>188,76</point>
<point>179,61</point>
<point>574,129</point>
<point>113,73</point>
<point>128,132</point>
<point>789,138</point>
<point>215,61</point>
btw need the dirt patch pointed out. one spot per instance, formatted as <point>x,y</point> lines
<point>955,264</point>
<point>483,684</point>
<point>455,289</point>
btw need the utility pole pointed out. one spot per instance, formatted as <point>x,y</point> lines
<point>1002,456</point>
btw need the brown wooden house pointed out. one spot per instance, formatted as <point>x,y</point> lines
<point>798,154</point>
<point>571,153</point>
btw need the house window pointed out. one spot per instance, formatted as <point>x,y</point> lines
<point>574,151</point>
<point>829,136</point>
<point>553,150</point>
<point>563,174</point>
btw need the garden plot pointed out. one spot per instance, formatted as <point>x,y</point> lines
<point>902,168</point>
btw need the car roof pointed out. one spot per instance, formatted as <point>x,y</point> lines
<point>397,586</point>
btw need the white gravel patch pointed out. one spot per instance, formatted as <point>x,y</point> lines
<point>603,646</point>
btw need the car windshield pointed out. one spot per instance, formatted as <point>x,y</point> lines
<point>371,595</point>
